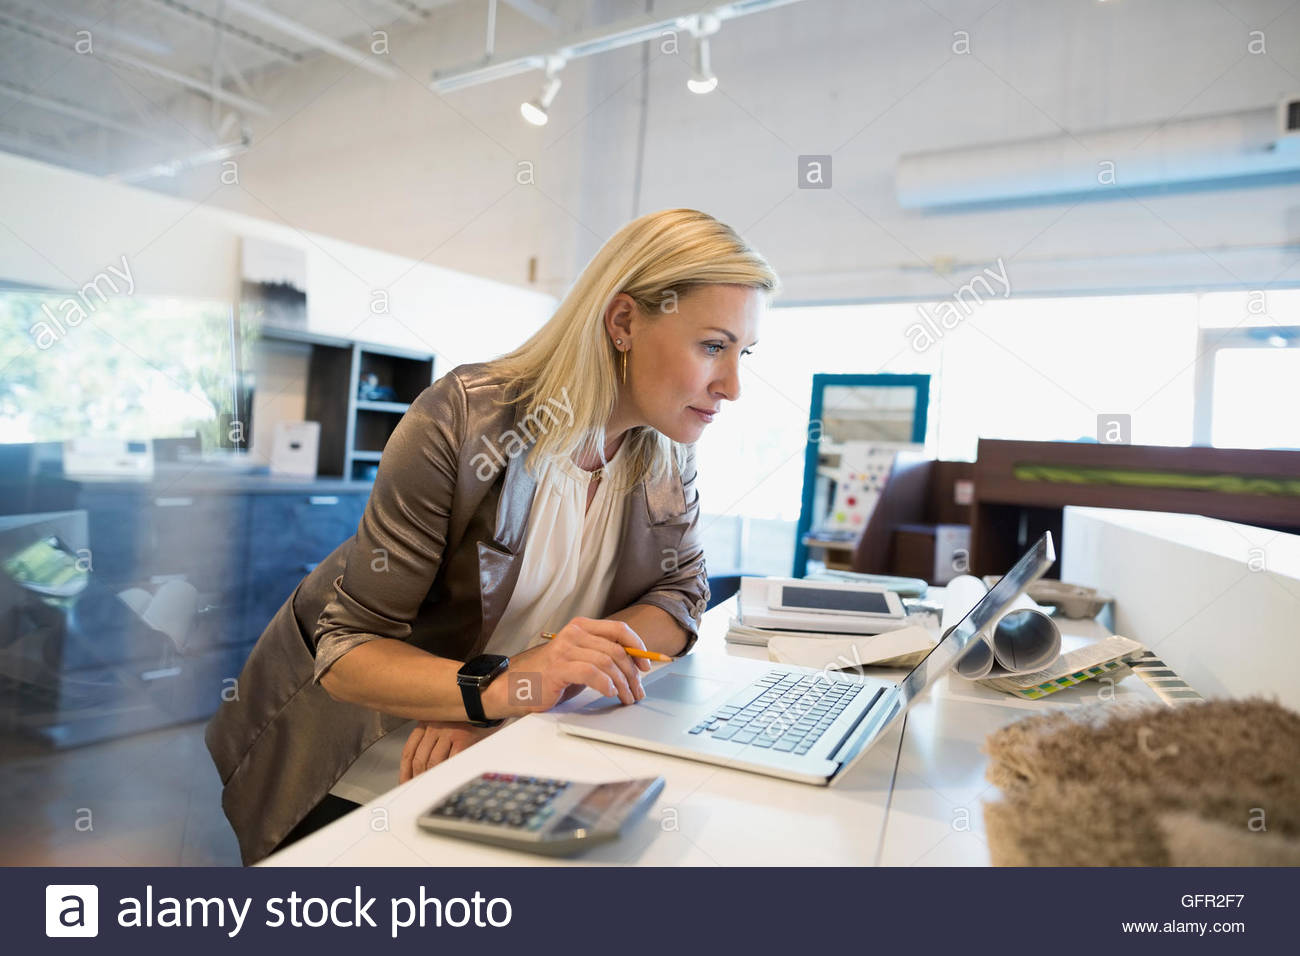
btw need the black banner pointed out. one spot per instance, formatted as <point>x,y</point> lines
<point>641,910</point>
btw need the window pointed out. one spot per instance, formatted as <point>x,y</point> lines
<point>1248,370</point>
<point>1039,369</point>
<point>1251,385</point>
<point>137,367</point>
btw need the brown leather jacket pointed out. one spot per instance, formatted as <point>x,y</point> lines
<point>434,562</point>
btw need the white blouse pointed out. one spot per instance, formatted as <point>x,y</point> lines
<point>570,555</point>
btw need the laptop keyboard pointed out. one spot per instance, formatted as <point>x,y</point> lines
<point>786,712</point>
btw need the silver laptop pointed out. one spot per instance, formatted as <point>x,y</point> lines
<point>785,721</point>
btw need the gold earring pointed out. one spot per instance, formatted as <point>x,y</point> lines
<point>625,368</point>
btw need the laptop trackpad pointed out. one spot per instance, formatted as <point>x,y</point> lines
<point>670,687</point>
<point>684,690</point>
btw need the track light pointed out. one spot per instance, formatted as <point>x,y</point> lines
<point>638,28</point>
<point>702,78</point>
<point>536,111</point>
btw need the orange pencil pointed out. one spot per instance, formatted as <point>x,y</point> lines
<point>631,651</point>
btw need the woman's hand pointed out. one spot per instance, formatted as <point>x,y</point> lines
<point>433,741</point>
<point>584,653</point>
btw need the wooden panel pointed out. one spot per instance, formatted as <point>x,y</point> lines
<point>329,385</point>
<point>1009,512</point>
<point>919,491</point>
<point>942,508</point>
<point>374,429</point>
<point>913,553</point>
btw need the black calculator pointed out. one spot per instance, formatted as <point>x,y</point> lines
<point>540,814</point>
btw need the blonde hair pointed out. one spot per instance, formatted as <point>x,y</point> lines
<point>654,259</point>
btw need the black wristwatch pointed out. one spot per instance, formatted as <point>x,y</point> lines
<point>477,673</point>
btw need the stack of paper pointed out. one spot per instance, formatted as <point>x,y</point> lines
<point>903,647</point>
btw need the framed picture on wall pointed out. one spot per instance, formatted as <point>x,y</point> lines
<point>273,290</point>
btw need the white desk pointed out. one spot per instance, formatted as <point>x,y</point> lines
<point>914,798</point>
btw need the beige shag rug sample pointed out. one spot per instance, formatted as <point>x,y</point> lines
<point>1212,783</point>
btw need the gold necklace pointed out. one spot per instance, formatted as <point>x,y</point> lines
<point>599,473</point>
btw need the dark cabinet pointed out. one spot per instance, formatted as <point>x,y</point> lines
<point>142,538</point>
<point>118,543</point>
<point>288,535</point>
<point>198,535</point>
<point>184,579</point>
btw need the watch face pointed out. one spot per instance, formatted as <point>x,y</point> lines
<point>483,665</point>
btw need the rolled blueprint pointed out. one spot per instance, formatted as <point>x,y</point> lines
<point>1021,641</point>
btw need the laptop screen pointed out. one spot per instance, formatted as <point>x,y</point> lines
<point>951,647</point>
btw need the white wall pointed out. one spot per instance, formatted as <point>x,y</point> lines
<point>1216,600</point>
<point>61,229</point>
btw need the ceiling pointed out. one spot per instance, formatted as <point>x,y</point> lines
<point>95,84</point>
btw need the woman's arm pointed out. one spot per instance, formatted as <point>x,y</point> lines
<point>397,550</point>
<point>400,679</point>
<point>669,613</point>
<point>397,678</point>
<point>437,739</point>
<point>656,627</point>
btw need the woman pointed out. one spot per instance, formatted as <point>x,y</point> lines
<point>550,490</point>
